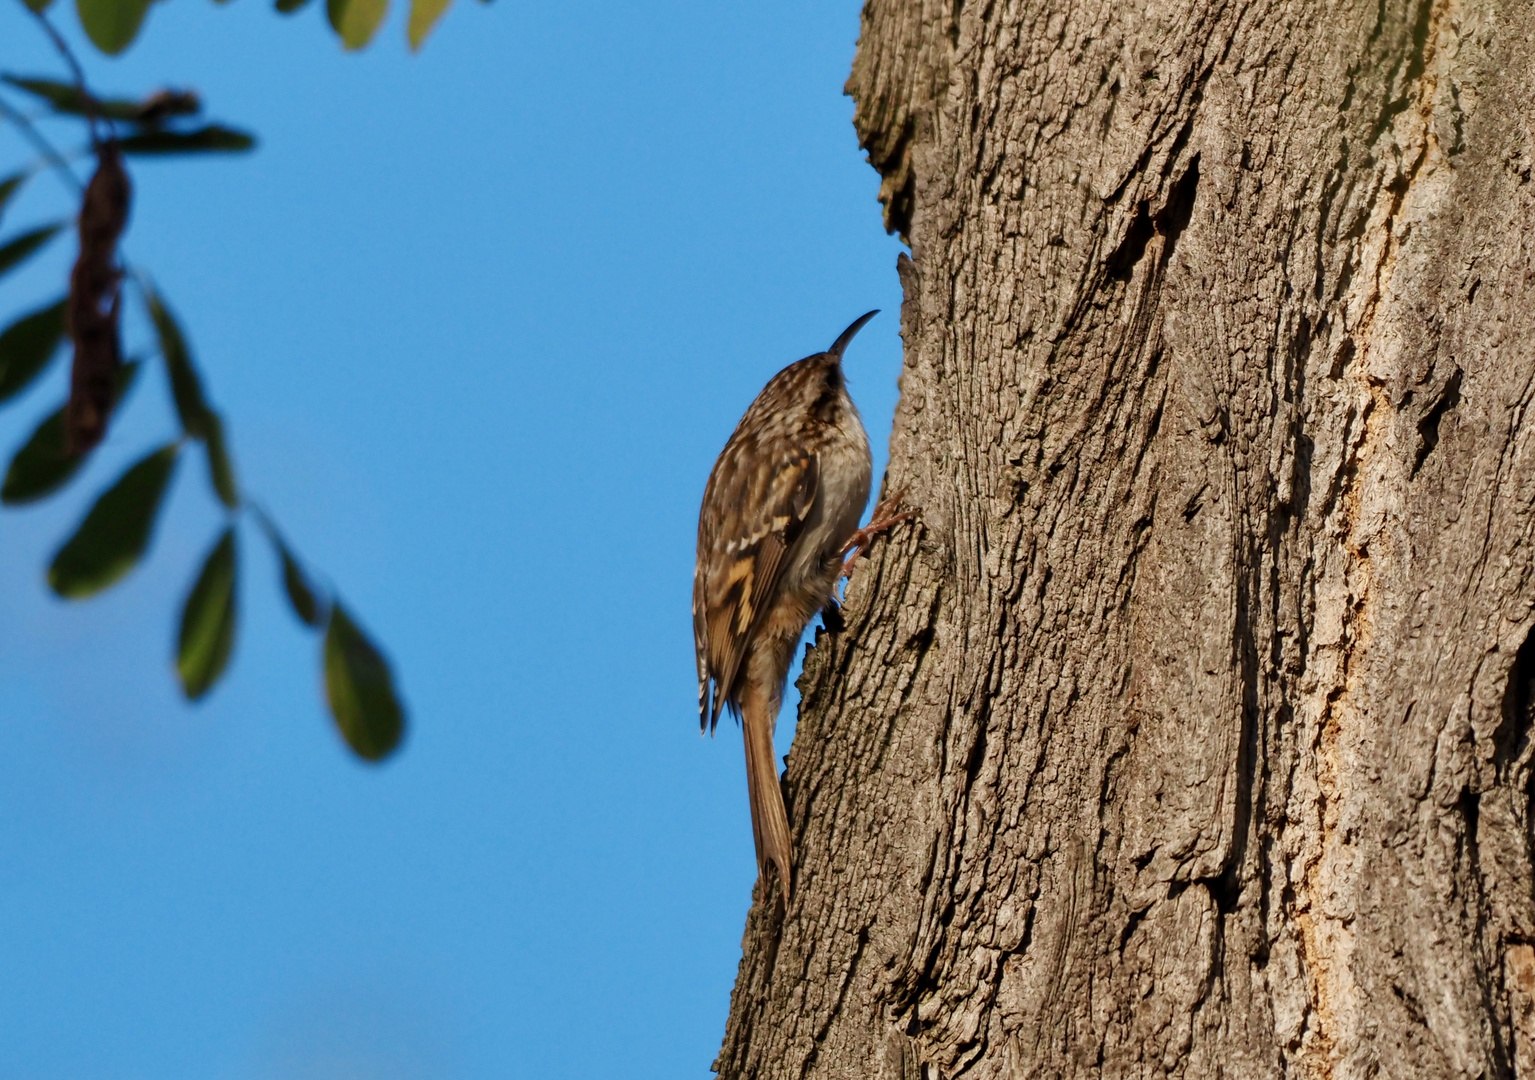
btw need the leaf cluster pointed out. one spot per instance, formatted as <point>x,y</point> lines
<point>113,25</point>
<point>117,531</point>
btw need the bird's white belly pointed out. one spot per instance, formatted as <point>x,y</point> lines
<point>842,492</point>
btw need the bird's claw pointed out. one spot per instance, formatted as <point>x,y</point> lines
<point>887,515</point>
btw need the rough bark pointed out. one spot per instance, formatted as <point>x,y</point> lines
<point>1190,733</point>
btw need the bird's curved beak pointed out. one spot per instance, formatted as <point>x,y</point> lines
<point>847,335</point>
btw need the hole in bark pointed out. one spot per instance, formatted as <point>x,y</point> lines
<point>1121,264</point>
<point>1108,114</point>
<point>1226,890</point>
<point>1168,221</point>
<point>1513,732</point>
<point>1470,805</point>
<point>977,754</point>
<point>1341,361</point>
<point>1131,925</point>
<point>1174,217</point>
<point>1428,427</point>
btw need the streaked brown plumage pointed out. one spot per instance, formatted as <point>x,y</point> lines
<point>782,501</point>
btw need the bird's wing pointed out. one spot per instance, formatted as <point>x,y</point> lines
<point>737,579</point>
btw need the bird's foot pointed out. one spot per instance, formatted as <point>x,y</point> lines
<point>887,515</point>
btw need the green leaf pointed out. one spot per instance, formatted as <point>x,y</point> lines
<point>27,345</point>
<point>198,419</point>
<point>67,98</point>
<point>423,16</point>
<point>360,689</point>
<point>221,472</point>
<point>38,5</point>
<point>356,20</point>
<point>296,585</point>
<point>288,7</point>
<point>44,463</point>
<point>301,594</point>
<point>207,634</point>
<point>19,249</point>
<point>116,532</point>
<point>111,24</point>
<point>64,97</point>
<point>9,186</point>
<point>186,387</point>
<point>209,139</point>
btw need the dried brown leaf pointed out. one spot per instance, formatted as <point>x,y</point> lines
<point>94,303</point>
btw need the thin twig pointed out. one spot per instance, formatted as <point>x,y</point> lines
<point>42,145</point>
<point>87,99</point>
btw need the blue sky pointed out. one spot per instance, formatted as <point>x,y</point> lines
<point>479,321</point>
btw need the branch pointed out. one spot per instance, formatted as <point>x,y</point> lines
<point>40,142</point>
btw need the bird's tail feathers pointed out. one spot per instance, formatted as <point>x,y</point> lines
<point>770,818</point>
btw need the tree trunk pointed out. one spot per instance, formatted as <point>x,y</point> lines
<point>1189,734</point>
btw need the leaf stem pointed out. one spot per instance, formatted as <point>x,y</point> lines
<point>45,148</point>
<point>93,118</point>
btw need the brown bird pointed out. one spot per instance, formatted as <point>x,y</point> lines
<point>780,510</point>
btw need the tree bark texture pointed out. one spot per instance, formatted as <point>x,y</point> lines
<point>1189,733</point>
